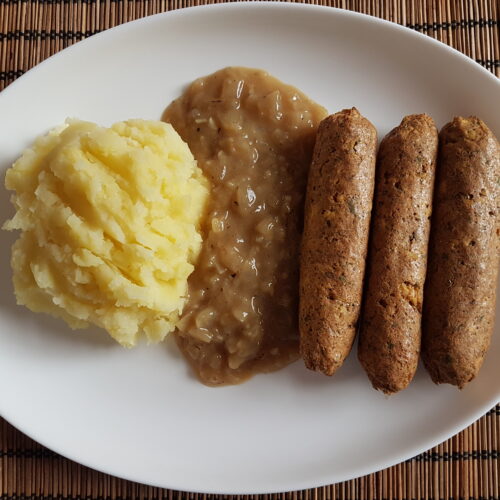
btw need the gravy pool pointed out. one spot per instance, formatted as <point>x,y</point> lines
<point>253,137</point>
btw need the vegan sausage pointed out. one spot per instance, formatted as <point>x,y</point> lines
<point>459,301</point>
<point>390,333</point>
<point>335,240</point>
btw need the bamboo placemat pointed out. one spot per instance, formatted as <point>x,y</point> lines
<point>465,467</point>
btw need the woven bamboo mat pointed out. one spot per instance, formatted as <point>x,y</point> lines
<point>465,467</point>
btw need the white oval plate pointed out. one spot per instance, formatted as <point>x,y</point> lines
<point>140,414</point>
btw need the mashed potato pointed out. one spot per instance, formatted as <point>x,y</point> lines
<point>110,226</point>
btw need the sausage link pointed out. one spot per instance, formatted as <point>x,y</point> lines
<point>459,301</point>
<point>390,334</point>
<point>336,225</point>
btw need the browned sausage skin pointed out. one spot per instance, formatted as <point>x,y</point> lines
<point>459,305</point>
<point>335,240</point>
<point>390,334</point>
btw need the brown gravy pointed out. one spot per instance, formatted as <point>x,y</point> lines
<point>253,137</point>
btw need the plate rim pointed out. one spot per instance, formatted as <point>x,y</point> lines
<point>243,4</point>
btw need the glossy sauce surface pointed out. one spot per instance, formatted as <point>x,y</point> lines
<point>253,137</point>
